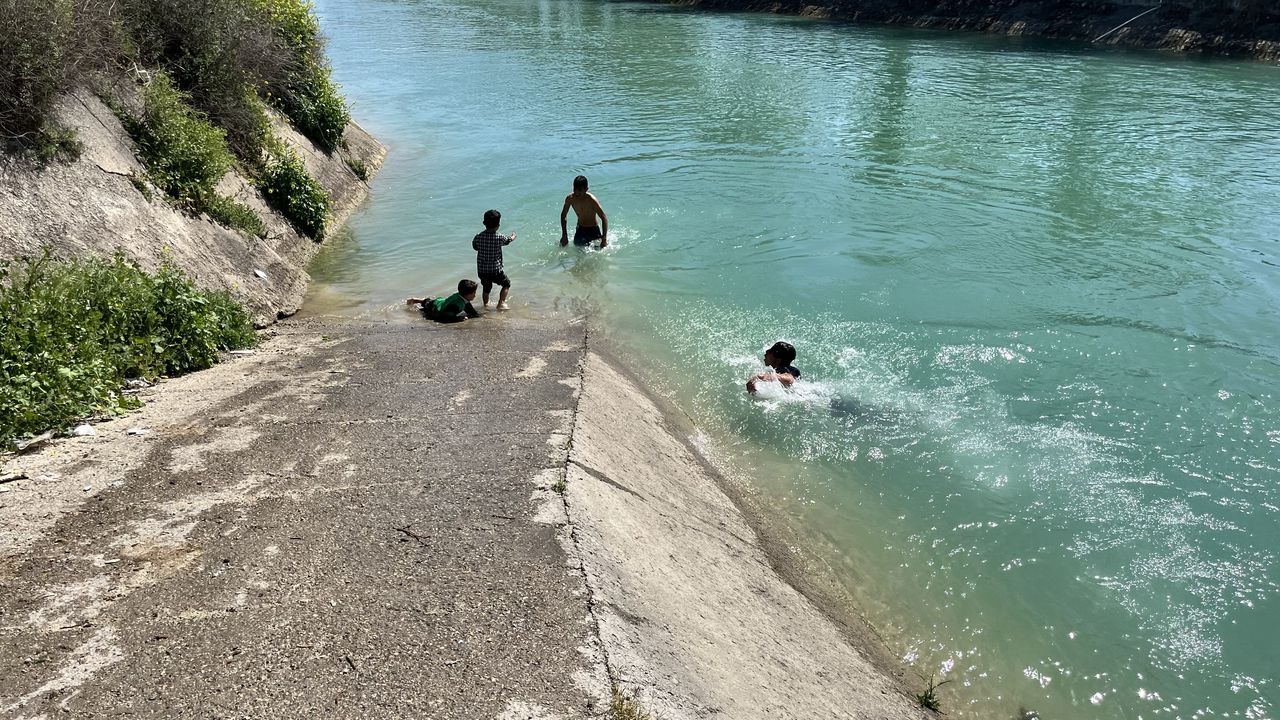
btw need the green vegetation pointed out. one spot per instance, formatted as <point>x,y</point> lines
<point>928,699</point>
<point>290,189</point>
<point>236,215</point>
<point>308,94</point>
<point>214,63</point>
<point>73,331</point>
<point>359,168</point>
<point>49,47</point>
<point>186,155</point>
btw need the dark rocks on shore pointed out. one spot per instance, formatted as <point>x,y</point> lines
<point>1228,27</point>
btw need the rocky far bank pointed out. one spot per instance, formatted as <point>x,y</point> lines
<point>100,203</point>
<point>1247,28</point>
<point>325,528</point>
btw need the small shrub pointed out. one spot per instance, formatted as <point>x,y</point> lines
<point>359,168</point>
<point>48,143</point>
<point>290,188</point>
<point>235,215</point>
<point>221,53</point>
<point>295,23</point>
<point>185,154</point>
<point>317,108</point>
<point>308,94</point>
<point>49,47</point>
<point>72,331</point>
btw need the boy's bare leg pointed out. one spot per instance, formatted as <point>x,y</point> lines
<point>502,296</point>
<point>486,297</point>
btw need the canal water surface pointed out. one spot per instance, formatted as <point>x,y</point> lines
<point>1034,290</point>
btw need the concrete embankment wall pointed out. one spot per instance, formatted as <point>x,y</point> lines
<point>93,206</point>
<point>1248,28</point>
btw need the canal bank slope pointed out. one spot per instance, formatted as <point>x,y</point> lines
<point>403,520</point>
<point>1249,28</point>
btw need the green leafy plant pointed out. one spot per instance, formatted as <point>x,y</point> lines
<point>360,169</point>
<point>73,331</point>
<point>316,106</point>
<point>185,154</point>
<point>308,94</point>
<point>290,188</point>
<point>235,215</point>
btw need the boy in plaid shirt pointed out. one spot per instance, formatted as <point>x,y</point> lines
<point>488,246</point>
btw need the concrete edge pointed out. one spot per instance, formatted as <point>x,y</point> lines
<point>792,565</point>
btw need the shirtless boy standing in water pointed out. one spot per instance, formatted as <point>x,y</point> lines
<point>586,207</point>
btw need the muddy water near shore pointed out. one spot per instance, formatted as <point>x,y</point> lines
<point>1033,286</point>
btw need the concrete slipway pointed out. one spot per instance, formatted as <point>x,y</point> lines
<point>403,520</point>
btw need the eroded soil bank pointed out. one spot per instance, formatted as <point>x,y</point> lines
<point>403,520</point>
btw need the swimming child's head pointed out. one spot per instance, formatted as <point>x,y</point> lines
<point>779,354</point>
<point>492,218</point>
<point>467,288</point>
<point>580,183</point>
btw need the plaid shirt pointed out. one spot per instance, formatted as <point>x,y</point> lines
<point>488,247</point>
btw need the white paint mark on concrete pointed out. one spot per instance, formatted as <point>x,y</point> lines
<point>460,398</point>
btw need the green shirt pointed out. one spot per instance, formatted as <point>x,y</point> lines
<point>451,306</point>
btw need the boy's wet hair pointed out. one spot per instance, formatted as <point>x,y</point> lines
<point>784,351</point>
<point>465,286</point>
<point>580,183</point>
<point>492,218</point>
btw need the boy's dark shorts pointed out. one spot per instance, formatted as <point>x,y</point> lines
<point>488,280</point>
<point>586,235</point>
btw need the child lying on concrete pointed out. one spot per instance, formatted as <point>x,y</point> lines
<point>455,308</point>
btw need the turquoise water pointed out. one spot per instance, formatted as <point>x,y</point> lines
<point>1034,288</point>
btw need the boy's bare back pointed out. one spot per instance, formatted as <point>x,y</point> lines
<point>585,206</point>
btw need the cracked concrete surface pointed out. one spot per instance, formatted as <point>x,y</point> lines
<point>402,520</point>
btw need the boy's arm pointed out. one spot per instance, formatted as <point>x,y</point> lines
<point>564,229</point>
<point>471,310</point>
<point>604,223</point>
<point>784,378</point>
<point>510,239</point>
<point>473,244</point>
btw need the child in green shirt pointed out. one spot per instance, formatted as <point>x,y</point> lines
<point>454,308</point>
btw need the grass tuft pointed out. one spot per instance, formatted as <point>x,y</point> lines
<point>928,698</point>
<point>624,706</point>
